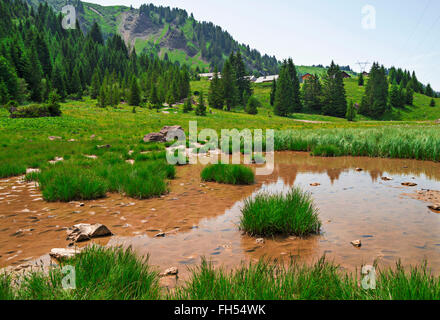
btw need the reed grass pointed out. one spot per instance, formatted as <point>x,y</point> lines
<point>228,174</point>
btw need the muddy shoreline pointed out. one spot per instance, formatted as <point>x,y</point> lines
<point>200,219</point>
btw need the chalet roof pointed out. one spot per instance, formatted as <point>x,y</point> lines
<point>267,79</point>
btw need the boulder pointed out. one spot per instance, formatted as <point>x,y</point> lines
<point>173,271</point>
<point>154,137</point>
<point>409,184</point>
<point>61,253</point>
<point>83,232</point>
<point>356,243</point>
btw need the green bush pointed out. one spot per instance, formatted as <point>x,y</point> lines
<point>229,174</point>
<point>287,214</point>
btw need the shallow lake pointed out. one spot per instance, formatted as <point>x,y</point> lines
<point>201,219</point>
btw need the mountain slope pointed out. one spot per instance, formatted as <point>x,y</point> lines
<point>169,33</point>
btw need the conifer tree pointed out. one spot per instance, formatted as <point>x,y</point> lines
<point>432,104</point>
<point>229,86</point>
<point>351,112</point>
<point>187,107</point>
<point>215,95</point>
<point>296,105</point>
<point>154,98</point>
<point>428,91</point>
<point>375,100</point>
<point>312,93</point>
<point>135,97</point>
<point>283,96</point>
<point>361,80</point>
<point>201,108</point>
<point>395,97</point>
<point>334,98</point>
<point>252,105</point>
<point>94,90</point>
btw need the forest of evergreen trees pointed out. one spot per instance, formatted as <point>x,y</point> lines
<point>38,56</point>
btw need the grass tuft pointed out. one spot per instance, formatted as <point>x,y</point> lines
<point>229,174</point>
<point>285,214</point>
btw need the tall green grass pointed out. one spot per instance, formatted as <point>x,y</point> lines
<point>89,179</point>
<point>101,274</point>
<point>286,214</point>
<point>118,274</point>
<point>321,281</point>
<point>405,142</point>
<point>8,169</point>
<point>228,173</point>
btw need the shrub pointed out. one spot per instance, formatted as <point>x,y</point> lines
<point>432,104</point>
<point>252,105</point>
<point>229,174</point>
<point>326,151</point>
<point>287,214</point>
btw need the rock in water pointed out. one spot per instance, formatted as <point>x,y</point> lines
<point>316,184</point>
<point>259,241</point>
<point>435,208</point>
<point>61,253</point>
<point>386,178</point>
<point>173,271</point>
<point>359,169</point>
<point>356,243</point>
<point>409,184</point>
<point>83,232</point>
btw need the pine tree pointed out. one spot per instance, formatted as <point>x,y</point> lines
<point>351,112</point>
<point>135,98</point>
<point>229,86</point>
<point>94,90</point>
<point>215,95</point>
<point>154,98</point>
<point>334,98</point>
<point>409,97</point>
<point>395,97</point>
<point>187,107</point>
<point>428,91</point>
<point>283,96</point>
<point>273,91</point>
<point>312,93</point>
<point>361,80</point>
<point>296,105</point>
<point>375,100</point>
<point>201,108</point>
<point>252,105</point>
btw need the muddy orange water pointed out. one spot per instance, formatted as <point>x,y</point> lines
<point>200,219</point>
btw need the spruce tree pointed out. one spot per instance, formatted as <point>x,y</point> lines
<point>432,104</point>
<point>361,80</point>
<point>283,96</point>
<point>252,105</point>
<point>312,93</point>
<point>187,107</point>
<point>201,108</point>
<point>351,112</point>
<point>94,90</point>
<point>375,99</point>
<point>229,86</point>
<point>135,97</point>
<point>428,91</point>
<point>154,98</point>
<point>395,98</point>
<point>409,97</point>
<point>296,105</point>
<point>334,98</point>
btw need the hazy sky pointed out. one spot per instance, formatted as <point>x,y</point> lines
<point>317,31</point>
